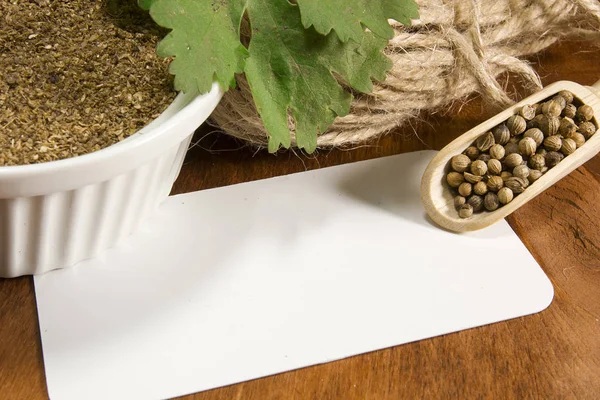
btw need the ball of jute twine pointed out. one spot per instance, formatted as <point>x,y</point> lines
<point>455,49</point>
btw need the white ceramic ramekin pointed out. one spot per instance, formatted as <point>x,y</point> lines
<point>55,214</point>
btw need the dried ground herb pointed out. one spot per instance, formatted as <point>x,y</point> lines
<point>76,76</point>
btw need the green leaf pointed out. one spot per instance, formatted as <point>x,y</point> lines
<point>145,4</point>
<point>291,69</point>
<point>349,17</point>
<point>204,41</point>
<point>290,72</point>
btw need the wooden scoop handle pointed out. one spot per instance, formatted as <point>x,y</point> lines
<point>595,88</point>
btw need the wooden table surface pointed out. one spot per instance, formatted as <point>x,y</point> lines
<point>554,354</point>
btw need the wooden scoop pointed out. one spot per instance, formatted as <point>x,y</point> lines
<point>435,193</point>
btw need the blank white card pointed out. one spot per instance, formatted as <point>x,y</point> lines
<point>240,282</point>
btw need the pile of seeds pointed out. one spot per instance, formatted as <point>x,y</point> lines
<point>76,76</point>
<point>502,163</point>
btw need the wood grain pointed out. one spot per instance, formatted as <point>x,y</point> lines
<point>554,354</point>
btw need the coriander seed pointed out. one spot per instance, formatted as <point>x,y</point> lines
<point>536,135</point>
<point>527,112</point>
<point>521,171</point>
<point>476,202</point>
<point>584,113</point>
<point>534,175</point>
<point>551,108</point>
<point>553,158</point>
<point>465,189</point>
<point>459,201</point>
<point>549,125</point>
<point>570,111</point>
<point>542,151</point>
<point>485,141</point>
<point>454,179</point>
<point>472,152</point>
<point>516,125</point>
<point>494,166</point>
<point>568,146</point>
<point>527,146</point>
<point>491,202</point>
<point>465,211</point>
<point>460,163</point>
<point>472,178</point>
<point>501,134</point>
<point>562,102</point>
<point>480,188</point>
<point>497,152</point>
<point>537,162</point>
<point>578,138</point>
<point>553,143</point>
<point>478,168</point>
<point>512,160</point>
<point>505,195</point>
<point>495,183</point>
<point>505,175</point>
<point>536,122</point>
<point>587,129</point>
<point>566,127</point>
<point>516,184</point>
<point>568,96</point>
